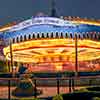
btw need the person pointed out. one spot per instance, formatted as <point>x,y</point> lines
<point>25,86</point>
<point>23,73</point>
<point>22,69</point>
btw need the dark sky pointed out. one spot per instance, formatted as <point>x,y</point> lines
<point>14,10</point>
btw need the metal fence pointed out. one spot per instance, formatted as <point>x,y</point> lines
<point>48,86</point>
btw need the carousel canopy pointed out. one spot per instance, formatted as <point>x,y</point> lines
<point>39,25</point>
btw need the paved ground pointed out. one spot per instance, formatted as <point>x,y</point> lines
<point>47,91</point>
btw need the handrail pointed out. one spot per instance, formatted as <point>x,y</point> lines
<point>59,78</point>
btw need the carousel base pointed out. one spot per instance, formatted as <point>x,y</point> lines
<point>25,89</point>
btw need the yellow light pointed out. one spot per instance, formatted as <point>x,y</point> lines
<point>58,66</point>
<point>5,28</point>
<point>36,50</point>
<point>89,22</point>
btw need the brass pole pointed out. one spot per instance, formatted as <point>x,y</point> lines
<point>9,82</point>
<point>11,55</point>
<point>10,67</point>
<point>7,64</point>
<point>76,55</point>
<point>76,63</point>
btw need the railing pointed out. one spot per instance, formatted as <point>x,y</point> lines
<point>65,84</point>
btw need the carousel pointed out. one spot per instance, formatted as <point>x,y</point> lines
<point>49,43</point>
<point>52,44</point>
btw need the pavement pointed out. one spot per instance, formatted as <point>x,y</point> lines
<point>47,91</point>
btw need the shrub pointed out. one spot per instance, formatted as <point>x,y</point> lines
<point>96,98</point>
<point>58,97</point>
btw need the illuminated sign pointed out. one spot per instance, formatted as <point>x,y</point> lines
<point>42,21</point>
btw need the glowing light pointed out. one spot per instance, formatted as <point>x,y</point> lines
<point>62,49</point>
<point>58,66</point>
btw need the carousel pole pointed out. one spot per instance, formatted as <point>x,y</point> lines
<point>76,62</point>
<point>11,56</point>
<point>8,67</point>
<point>76,55</point>
<point>9,81</point>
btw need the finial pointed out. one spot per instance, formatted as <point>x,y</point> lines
<point>53,9</point>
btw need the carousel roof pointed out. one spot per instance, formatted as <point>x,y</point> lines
<point>63,25</point>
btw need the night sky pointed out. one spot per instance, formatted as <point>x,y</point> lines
<point>17,10</point>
